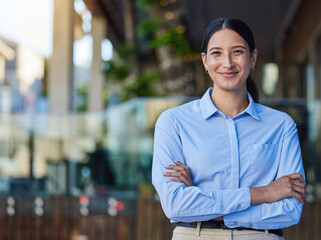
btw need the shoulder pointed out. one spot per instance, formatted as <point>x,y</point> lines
<point>274,116</point>
<point>175,114</point>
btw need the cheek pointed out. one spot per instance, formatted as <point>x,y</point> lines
<point>245,64</point>
<point>212,63</point>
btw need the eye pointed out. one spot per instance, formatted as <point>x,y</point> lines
<point>238,52</point>
<point>216,53</point>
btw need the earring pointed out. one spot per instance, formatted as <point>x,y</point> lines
<point>252,68</point>
<point>206,71</point>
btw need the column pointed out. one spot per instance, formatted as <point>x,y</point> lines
<point>60,72</point>
<point>96,85</point>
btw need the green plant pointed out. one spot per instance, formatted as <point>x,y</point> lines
<point>144,4</point>
<point>116,72</point>
<point>155,32</point>
<point>82,96</point>
<point>148,26</point>
<point>173,39</point>
<point>144,85</point>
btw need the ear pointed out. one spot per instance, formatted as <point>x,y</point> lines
<point>204,59</point>
<point>253,58</point>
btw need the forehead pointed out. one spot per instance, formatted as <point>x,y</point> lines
<point>226,37</point>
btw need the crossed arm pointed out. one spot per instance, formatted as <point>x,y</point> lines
<point>291,185</point>
<point>277,205</point>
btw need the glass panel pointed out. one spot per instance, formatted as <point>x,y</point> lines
<point>79,154</point>
<point>270,78</point>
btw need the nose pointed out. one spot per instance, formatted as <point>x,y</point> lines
<point>228,61</point>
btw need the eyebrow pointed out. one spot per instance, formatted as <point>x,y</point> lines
<point>218,48</point>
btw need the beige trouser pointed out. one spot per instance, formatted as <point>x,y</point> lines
<point>186,233</point>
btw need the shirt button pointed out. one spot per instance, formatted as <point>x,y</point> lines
<point>236,223</point>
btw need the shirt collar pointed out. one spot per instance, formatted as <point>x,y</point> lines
<point>252,108</point>
<point>208,108</point>
<point>206,104</point>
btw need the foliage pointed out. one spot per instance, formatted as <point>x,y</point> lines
<point>171,37</point>
<point>144,4</point>
<point>82,96</point>
<point>174,39</point>
<point>155,32</point>
<point>120,71</point>
<point>116,72</point>
<point>148,26</point>
<point>126,50</point>
<point>144,85</point>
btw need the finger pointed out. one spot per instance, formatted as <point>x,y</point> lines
<point>303,196</point>
<point>173,167</point>
<point>176,175</point>
<point>300,190</point>
<point>179,176</point>
<point>172,174</point>
<point>169,166</point>
<point>180,180</point>
<point>299,197</point>
<point>178,169</point>
<point>174,180</point>
<point>299,184</point>
<point>181,165</point>
<point>301,179</point>
<point>187,170</point>
<point>297,176</point>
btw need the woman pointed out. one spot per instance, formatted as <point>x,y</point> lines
<point>225,166</point>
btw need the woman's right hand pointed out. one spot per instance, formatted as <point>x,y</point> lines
<point>292,185</point>
<point>182,174</point>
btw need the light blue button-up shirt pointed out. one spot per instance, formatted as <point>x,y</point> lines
<point>226,157</point>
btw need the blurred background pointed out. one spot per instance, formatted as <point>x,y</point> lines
<point>82,83</point>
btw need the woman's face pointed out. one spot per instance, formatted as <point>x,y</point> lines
<point>228,60</point>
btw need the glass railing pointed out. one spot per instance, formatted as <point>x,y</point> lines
<point>92,153</point>
<point>111,151</point>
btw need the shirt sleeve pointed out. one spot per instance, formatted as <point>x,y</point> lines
<point>188,204</point>
<point>285,212</point>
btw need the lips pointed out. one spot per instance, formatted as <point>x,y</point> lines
<point>228,74</point>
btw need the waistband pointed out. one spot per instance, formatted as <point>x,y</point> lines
<point>213,224</point>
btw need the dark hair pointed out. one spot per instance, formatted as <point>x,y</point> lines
<point>245,32</point>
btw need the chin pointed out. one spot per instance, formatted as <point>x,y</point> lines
<point>230,87</point>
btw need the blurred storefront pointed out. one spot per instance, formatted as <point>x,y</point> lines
<point>300,58</point>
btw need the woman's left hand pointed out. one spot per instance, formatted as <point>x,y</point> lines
<point>182,174</point>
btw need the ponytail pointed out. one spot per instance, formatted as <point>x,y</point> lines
<point>252,89</point>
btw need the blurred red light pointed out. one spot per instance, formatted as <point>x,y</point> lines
<point>84,200</point>
<point>119,206</point>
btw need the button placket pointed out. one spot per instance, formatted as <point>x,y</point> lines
<point>235,167</point>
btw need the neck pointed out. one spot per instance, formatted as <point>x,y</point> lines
<point>229,102</point>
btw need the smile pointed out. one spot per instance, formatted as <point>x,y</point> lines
<point>228,74</point>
